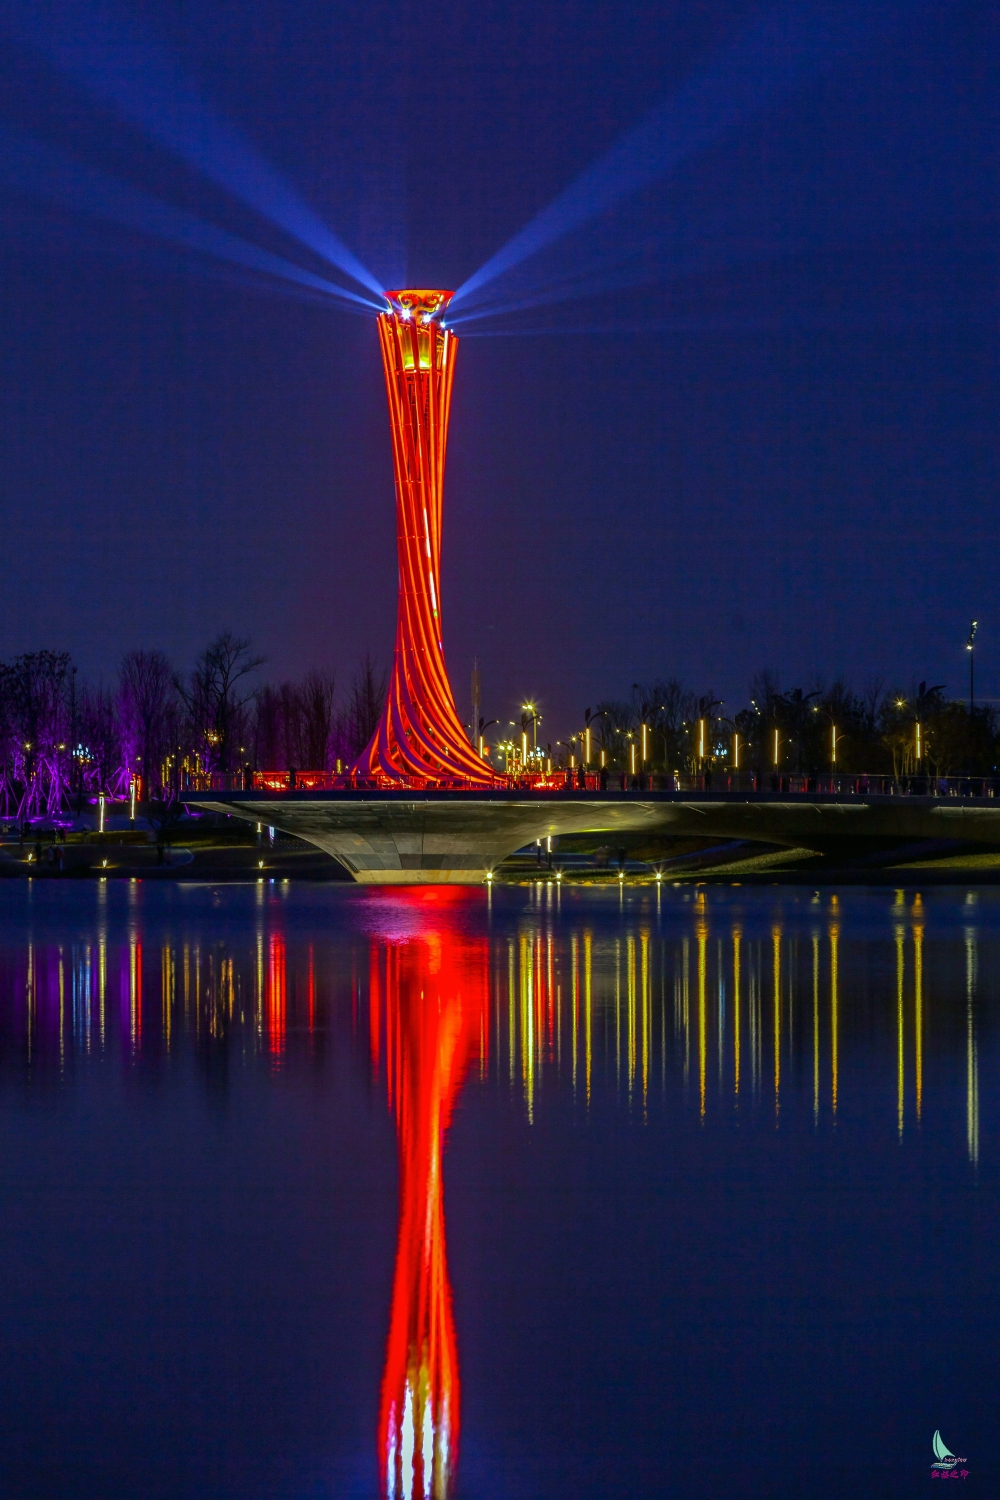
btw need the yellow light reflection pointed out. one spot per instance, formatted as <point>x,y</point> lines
<point>644,942</point>
<point>587,1005</point>
<point>834,1015</point>
<point>971,1048</point>
<point>737,934</point>
<point>776,981</point>
<point>815,948</point>
<point>630,1001</point>
<point>701,936</point>
<point>918,998</point>
<point>900,1029</point>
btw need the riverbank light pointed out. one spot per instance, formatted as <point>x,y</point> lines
<point>100,813</point>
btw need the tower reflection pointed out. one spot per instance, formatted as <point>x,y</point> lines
<point>435,984</point>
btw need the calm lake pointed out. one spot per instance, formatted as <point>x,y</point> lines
<point>316,1191</point>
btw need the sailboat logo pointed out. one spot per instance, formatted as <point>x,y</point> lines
<point>945,1458</point>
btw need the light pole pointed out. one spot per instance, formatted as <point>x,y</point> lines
<point>970,646</point>
<point>589,719</point>
<point>476,696</point>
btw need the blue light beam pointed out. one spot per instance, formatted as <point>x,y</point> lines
<point>39,171</point>
<point>105,53</point>
<point>760,65</point>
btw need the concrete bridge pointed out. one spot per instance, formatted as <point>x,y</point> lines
<point>443,837</point>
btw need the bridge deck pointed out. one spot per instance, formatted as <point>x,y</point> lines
<point>434,837</point>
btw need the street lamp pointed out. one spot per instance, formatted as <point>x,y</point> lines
<point>970,646</point>
<point>589,719</point>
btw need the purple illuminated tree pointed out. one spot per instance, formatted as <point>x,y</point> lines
<point>34,733</point>
<point>148,707</point>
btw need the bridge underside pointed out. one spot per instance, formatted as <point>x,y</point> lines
<point>437,838</point>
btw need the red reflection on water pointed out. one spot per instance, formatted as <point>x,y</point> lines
<point>436,992</point>
<point>276,993</point>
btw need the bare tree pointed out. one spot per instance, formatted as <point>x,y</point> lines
<point>147,695</point>
<point>365,702</point>
<point>101,761</point>
<point>216,696</point>
<point>316,703</point>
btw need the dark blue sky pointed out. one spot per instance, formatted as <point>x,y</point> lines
<point>778,448</point>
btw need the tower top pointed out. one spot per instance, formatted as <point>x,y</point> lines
<point>419,303</point>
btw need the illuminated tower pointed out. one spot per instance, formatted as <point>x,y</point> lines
<point>420,733</point>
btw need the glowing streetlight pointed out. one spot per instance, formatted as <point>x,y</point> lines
<point>645,743</point>
<point>701,739</point>
<point>777,749</point>
<point>833,744</point>
<point>919,745</point>
<point>100,813</point>
<point>970,646</point>
<point>736,752</point>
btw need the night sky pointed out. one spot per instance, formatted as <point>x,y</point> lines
<point>773,443</point>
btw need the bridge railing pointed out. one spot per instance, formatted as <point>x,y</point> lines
<point>611,783</point>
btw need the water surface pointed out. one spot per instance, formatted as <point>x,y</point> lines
<point>313,1191</point>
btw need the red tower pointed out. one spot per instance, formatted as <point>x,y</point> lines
<point>420,733</point>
